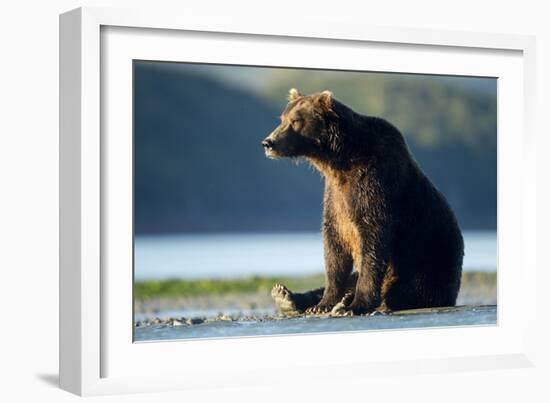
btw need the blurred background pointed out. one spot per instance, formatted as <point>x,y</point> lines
<point>208,204</point>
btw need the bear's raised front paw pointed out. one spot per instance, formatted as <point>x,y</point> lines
<point>284,299</point>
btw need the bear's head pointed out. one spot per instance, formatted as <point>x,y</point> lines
<point>308,127</point>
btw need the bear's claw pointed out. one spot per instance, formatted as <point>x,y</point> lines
<point>318,309</point>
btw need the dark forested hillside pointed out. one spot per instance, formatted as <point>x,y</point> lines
<point>199,165</point>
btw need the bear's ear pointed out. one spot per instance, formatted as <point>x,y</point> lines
<point>293,94</point>
<point>325,98</point>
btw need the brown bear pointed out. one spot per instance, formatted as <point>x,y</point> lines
<point>382,216</point>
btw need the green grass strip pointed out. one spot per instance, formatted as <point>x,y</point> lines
<point>200,287</point>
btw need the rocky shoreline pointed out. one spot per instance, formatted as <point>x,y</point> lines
<point>198,320</point>
<point>177,321</point>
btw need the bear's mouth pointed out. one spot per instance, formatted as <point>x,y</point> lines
<point>269,150</point>
<point>271,153</point>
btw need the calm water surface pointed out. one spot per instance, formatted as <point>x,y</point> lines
<point>238,255</point>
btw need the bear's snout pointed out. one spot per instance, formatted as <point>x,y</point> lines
<point>269,147</point>
<point>267,143</point>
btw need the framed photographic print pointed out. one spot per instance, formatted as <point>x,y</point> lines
<point>230,193</point>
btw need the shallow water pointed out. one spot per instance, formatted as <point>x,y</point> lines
<point>484,315</point>
<point>237,255</point>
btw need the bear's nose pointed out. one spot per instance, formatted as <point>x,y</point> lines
<point>267,143</point>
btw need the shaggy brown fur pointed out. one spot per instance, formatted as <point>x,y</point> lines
<point>382,215</point>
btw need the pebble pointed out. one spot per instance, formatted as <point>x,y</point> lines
<point>195,321</point>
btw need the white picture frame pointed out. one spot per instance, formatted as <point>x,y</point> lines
<point>97,355</point>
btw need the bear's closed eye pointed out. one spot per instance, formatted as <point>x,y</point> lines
<point>296,124</point>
